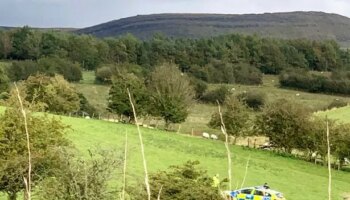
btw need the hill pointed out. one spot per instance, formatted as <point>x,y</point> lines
<point>311,25</point>
<point>163,149</point>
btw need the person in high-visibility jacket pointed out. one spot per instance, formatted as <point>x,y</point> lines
<point>216,181</point>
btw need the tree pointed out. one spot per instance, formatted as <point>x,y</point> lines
<point>4,81</point>
<point>285,124</point>
<point>184,182</point>
<point>235,117</point>
<point>46,136</point>
<point>55,93</point>
<point>5,44</point>
<point>118,96</point>
<point>25,43</point>
<point>172,93</point>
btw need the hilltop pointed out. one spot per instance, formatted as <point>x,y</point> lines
<point>311,25</point>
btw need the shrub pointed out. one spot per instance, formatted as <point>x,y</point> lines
<point>218,94</point>
<point>76,178</point>
<point>199,87</point>
<point>247,74</point>
<point>253,99</point>
<point>104,75</point>
<point>185,182</point>
<point>337,103</point>
<point>55,93</point>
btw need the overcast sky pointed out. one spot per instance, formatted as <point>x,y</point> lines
<point>83,13</point>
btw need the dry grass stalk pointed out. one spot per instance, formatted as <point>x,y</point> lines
<point>246,172</point>
<point>329,164</point>
<point>160,191</point>
<point>229,162</point>
<point>124,170</point>
<point>27,181</point>
<point>142,148</point>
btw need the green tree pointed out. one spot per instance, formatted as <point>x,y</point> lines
<point>118,96</point>
<point>46,136</point>
<point>4,81</point>
<point>285,124</point>
<point>55,93</point>
<point>235,116</point>
<point>172,93</point>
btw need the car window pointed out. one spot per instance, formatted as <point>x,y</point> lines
<point>268,194</point>
<point>246,191</point>
<point>259,193</point>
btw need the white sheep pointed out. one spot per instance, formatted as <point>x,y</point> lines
<point>213,136</point>
<point>206,135</point>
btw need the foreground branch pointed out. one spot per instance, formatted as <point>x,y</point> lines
<point>329,164</point>
<point>27,181</point>
<point>229,162</point>
<point>246,172</point>
<point>142,148</point>
<point>125,164</point>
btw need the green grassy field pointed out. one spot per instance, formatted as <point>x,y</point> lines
<point>340,114</point>
<point>295,178</point>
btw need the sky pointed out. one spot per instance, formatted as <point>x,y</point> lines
<point>84,13</point>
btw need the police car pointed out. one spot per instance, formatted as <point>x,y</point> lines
<point>254,193</point>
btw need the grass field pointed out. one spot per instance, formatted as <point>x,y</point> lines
<point>200,113</point>
<point>340,114</point>
<point>295,178</point>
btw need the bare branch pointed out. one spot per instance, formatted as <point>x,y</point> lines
<point>159,193</point>
<point>28,181</point>
<point>142,148</point>
<point>246,172</point>
<point>124,170</point>
<point>229,162</point>
<point>329,163</point>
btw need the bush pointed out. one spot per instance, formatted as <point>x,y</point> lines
<point>247,74</point>
<point>199,87</point>
<point>218,94</point>
<point>185,182</point>
<point>337,103</point>
<point>76,178</point>
<point>104,75</point>
<point>55,93</point>
<point>304,80</point>
<point>21,70</point>
<point>253,99</point>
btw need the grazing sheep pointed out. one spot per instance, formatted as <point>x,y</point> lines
<point>297,94</point>
<point>87,117</point>
<point>347,161</point>
<point>213,136</point>
<point>206,135</point>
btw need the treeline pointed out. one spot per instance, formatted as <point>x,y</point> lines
<point>217,60</point>
<point>338,82</point>
<point>289,126</point>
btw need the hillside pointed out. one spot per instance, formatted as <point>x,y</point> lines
<point>163,149</point>
<point>311,25</point>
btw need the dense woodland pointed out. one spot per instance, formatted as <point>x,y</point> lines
<point>223,59</point>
